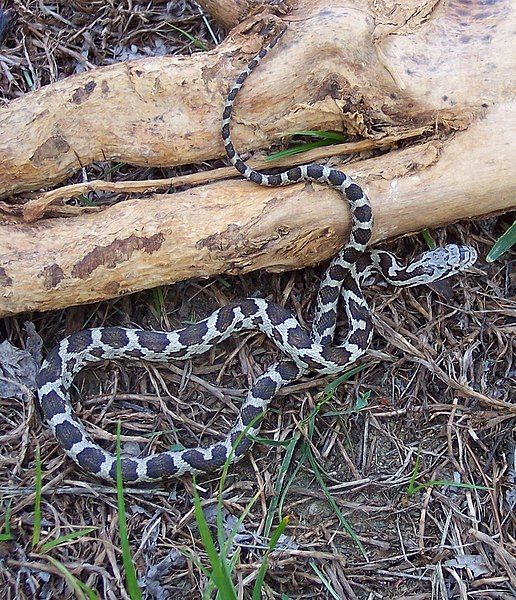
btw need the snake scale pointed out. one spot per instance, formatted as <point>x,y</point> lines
<point>304,350</point>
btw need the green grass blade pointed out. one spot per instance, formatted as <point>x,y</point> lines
<point>81,590</point>
<point>158,299</point>
<point>324,580</point>
<point>362,401</point>
<point>36,530</point>
<point>428,239</point>
<point>66,538</point>
<point>295,150</point>
<point>279,489</point>
<point>333,385</point>
<point>415,473</point>
<point>7,535</point>
<point>258,584</point>
<point>130,572</point>
<point>503,244</point>
<point>447,483</point>
<point>219,572</point>
<point>197,43</point>
<point>334,136</point>
<point>307,450</point>
<point>334,506</point>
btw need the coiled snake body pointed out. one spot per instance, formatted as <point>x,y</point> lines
<point>305,351</point>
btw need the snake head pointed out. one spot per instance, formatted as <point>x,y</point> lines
<point>446,261</point>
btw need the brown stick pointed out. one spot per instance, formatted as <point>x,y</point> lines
<point>236,227</point>
<point>363,76</point>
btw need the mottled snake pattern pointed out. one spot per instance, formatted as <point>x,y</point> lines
<point>305,351</point>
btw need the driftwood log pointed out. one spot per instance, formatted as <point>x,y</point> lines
<point>380,71</point>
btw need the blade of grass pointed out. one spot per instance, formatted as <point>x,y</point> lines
<point>503,244</point>
<point>36,530</point>
<point>307,450</point>
<point>415,473</point>
<point>428,239</point>
<point>324,580</point>
<point>158,300</point>
<point>278,485</point>
<point>295,150</point>
<point>333,504</point>
<point>7,535</point>
<point>130,572</point>
<point>81,590</point>
<point>197,43</point>
<point>63,539</point>
<point>333,385</point>
<point>448,483</point>
<point>225,544</point>
<point>325,135</point>
<point>219,572</point>
<point>258,584</point>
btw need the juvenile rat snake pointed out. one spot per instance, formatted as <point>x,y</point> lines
<point>305,351</point>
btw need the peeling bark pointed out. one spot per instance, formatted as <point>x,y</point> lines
<point>378,70</point>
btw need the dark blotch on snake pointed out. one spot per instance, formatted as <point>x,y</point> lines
<point>154,340</point>
<point>250,414</point>
<point>358,311</point>
<point>230,151</point>
<point>354,192</point>
<point>79,341</point>
<point>274,179</point>
<point>243,446</point>
<point>52,405</point>
<point>241,78</point>
<point>52,369</point>
<point>239,165</point>
<point>326,320</point>
<point>299,338</point>
<point>129,469</point>
<point>195,459</point>
<point>329,293</point>
<point>338,272</point>
<point>219,455</point>
<point>225,318</point>
<point>350,255</point>
<point>264,388</point>
<point>362,236</point>
<point>135,353</point>
<point>363,213</point>
<point>359,338</point>
<point>277,314</point>
<point>337,177</point>
<point>114,336</point>
<point>314,171</point>
<point>255,177</point>
<point>97,352</point>
<point>92,459</point>
<point>161,465</point>
<point>287,370</point>
<point>294,174</point>
<point>68,434</point>
<point>193,334</point>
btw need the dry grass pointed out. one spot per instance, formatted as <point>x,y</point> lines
<point>440,376</point>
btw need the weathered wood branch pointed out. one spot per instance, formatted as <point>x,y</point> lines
<point>365,75</point>
<point>236,227</point>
